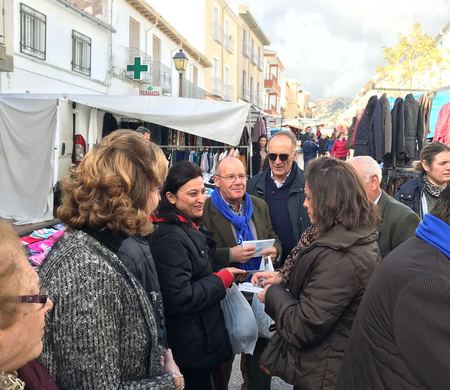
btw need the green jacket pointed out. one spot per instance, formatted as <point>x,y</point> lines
<point>398,224</point>
<point>223,233</point>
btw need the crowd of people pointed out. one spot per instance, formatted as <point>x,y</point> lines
<point>131,293</point>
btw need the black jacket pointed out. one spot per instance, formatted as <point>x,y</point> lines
<point>257,186</point>
<point>369,138</point>
<point>192,294</point>
<point>398,132</point>
<point>401,335</point>
<point>413,142</point>
<point>410,194</point>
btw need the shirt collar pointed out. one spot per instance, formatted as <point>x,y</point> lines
<point>278,183</point>
<point>241,206</point>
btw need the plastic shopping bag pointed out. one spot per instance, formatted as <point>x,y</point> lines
<point>239,321</point>
<point>263,320</point>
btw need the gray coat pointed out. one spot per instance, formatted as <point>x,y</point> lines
<point>101,333</point>
<point>398,224</point>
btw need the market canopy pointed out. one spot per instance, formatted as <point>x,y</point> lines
<point>28,126</point>
<point>216,120</point>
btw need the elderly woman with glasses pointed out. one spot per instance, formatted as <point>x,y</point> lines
<point>107,328</point>
<point>314,297</point>
<point>23,306</point>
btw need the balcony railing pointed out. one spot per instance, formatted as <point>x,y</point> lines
<point>260,64</point>
<point>217,32</point>
<point>246,49</point>
<point>228,43</point>
<point>157,75</point>
<point>245,94</point>
<point>228,92</point>
<point>96,8</point>
<point>253,57</point>
<point>190,90</point>
<point>216,86</point>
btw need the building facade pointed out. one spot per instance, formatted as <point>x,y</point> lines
<point>86,46</point>
<point>273,77</point>
<point>250,61</point>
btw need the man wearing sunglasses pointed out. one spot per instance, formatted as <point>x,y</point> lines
<point>283,188</point>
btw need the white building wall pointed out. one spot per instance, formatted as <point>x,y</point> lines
<point>122,12</point>
<point>55,74</point>
<point>188,17</point>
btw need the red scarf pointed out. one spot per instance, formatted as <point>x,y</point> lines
<point>182,219</point>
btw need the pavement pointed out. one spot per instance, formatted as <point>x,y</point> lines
<point>236,378</point>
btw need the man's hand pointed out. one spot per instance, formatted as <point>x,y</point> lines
<point>242,253</point>
<point>272,252</point>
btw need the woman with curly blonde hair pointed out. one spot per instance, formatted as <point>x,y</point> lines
<point>107,327</point>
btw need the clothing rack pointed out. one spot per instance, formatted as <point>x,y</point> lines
<point>200,147</point>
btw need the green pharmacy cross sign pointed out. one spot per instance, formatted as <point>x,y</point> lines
<point>137,68</point>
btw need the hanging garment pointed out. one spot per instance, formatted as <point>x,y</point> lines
<point>413,142</point>
<point>398,132</point>
<point>109,124</point>
<point>424,115</point>
<point>386,124</point>
<point>368,140</point>
<point>258,129</point>
<point>442,130</point>
<point>92,129</point>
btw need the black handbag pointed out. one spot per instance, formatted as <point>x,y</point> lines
<point>281,359</point>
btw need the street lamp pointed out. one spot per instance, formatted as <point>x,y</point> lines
<point>180,60</point>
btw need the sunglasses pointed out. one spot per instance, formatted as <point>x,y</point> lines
<point>282,156</point>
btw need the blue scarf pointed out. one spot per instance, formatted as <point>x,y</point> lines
<point>435,232</point>
<point>241,224</point>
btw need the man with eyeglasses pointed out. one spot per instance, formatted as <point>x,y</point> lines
<point>398,221</point>
<point>283,188</point>
<point>234,216</point>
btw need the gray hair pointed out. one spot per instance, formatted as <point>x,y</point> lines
<point>369,167</point>
<point>285,133</point>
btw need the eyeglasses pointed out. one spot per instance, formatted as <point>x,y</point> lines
<point>42,297</point>
<point>233,178</point>
<point>282,156</point>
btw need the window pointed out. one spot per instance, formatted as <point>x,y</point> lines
<point>81,53</point>
<point>134,34</point>
<point>33,27</point>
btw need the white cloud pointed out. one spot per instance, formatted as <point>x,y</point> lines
<point>334,47</point>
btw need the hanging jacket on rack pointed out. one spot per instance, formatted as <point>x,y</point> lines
<point>386,124</point>
<point>413,140</point>
<point>423,126</point>
<point>109,124</point>
<point>442,130</point>
<point>398,132</point>
<point>368,140</point>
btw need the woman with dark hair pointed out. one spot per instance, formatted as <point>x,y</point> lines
<point>192,292</point>
<point>401,335</point>
<point>107,328</point>
<point>314,297</point>
<point>421,193</point>
<point>259,155</point>
<point>23,306</point>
